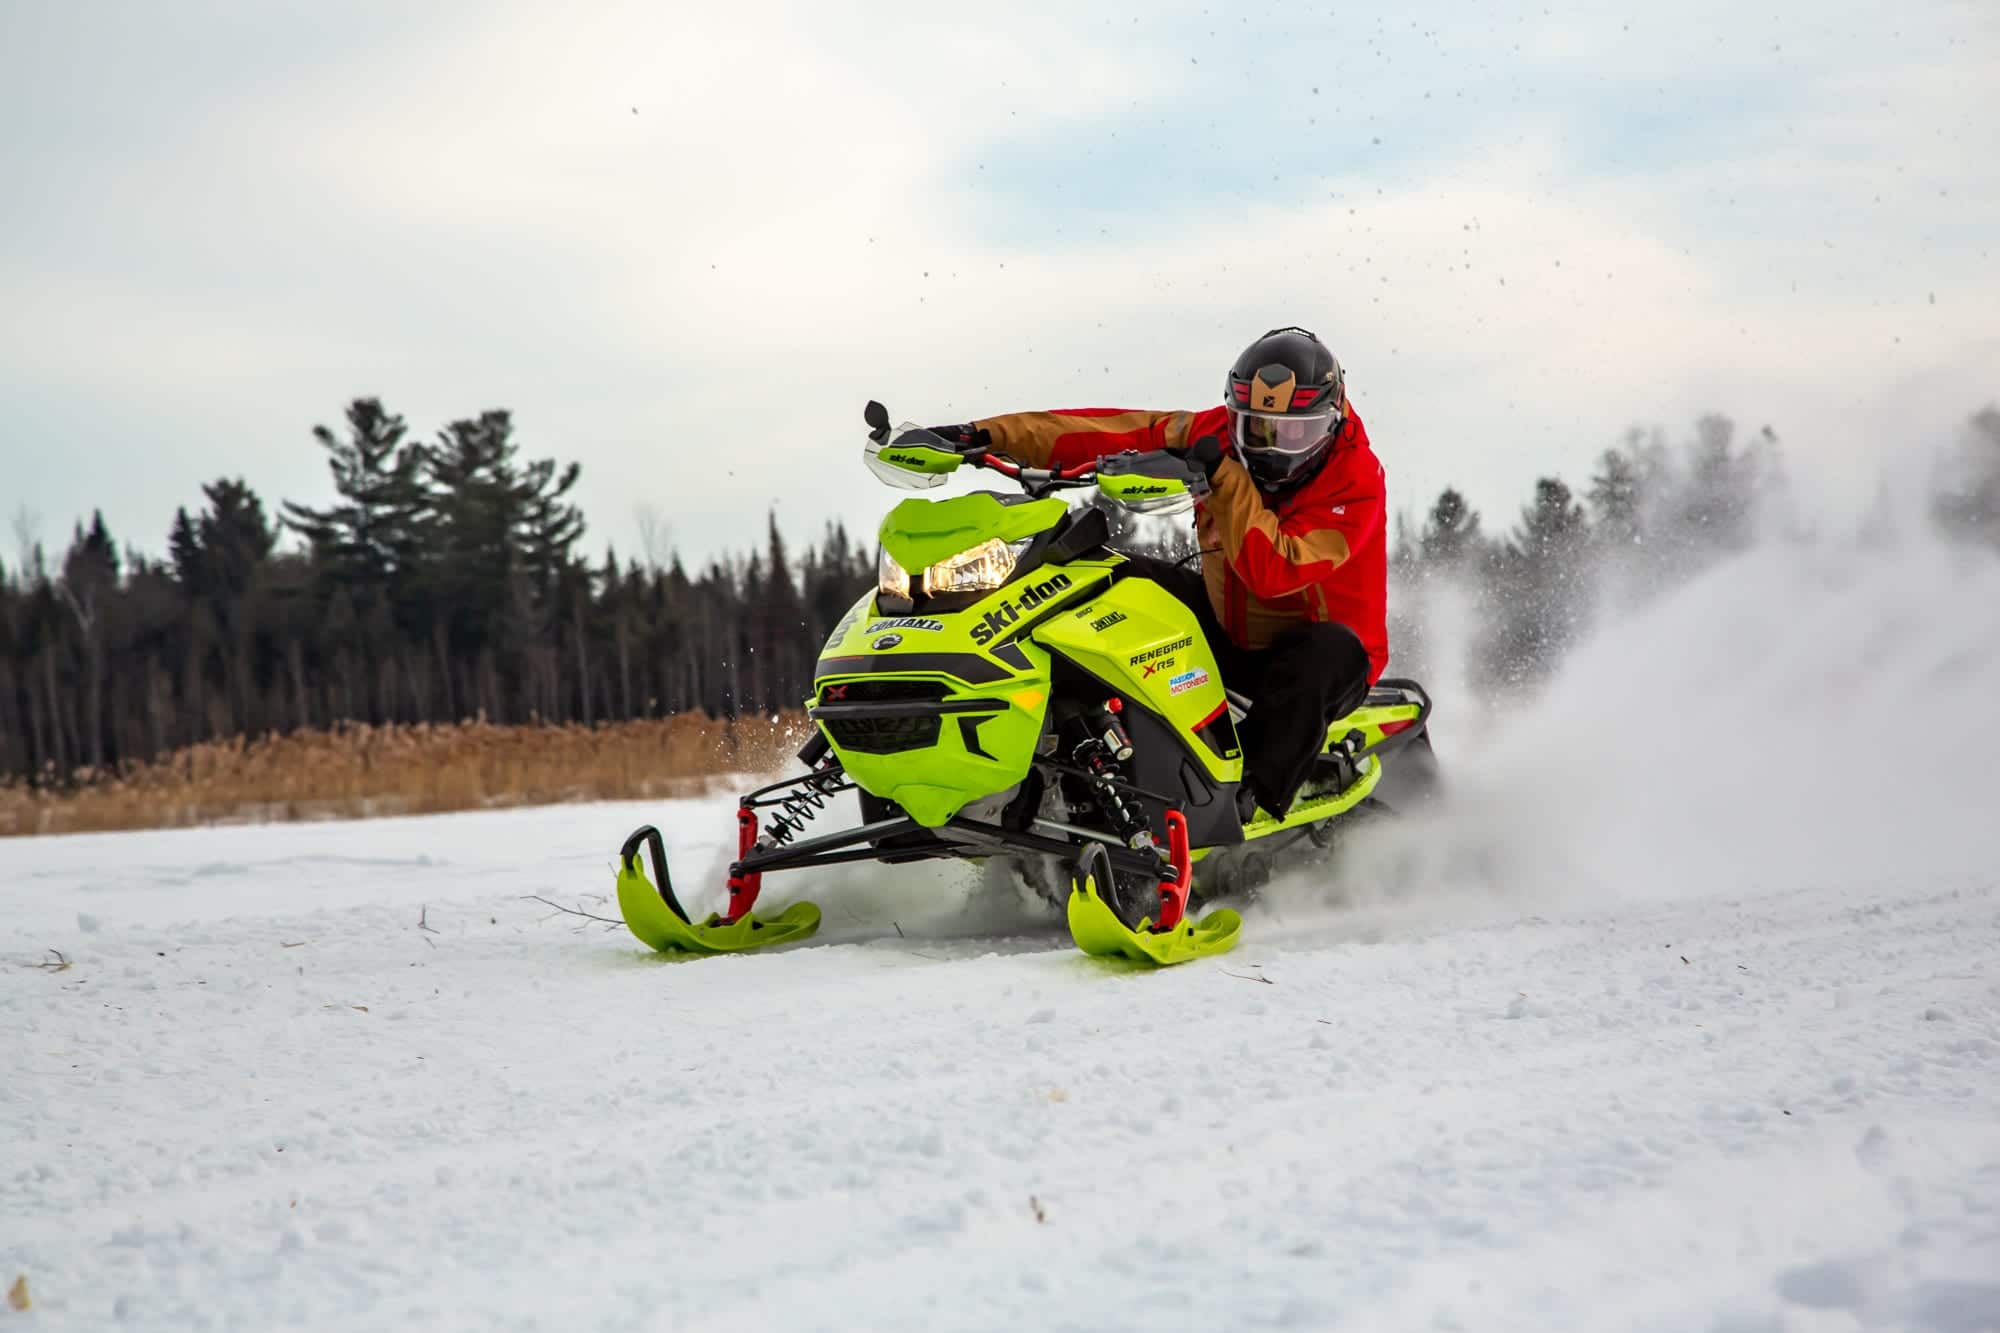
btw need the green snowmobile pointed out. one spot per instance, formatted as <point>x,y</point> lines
<point>1014,688</point>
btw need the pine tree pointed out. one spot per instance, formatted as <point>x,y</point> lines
<point>1616,499</point>
<point>1538,591</point>
<point>236,537</point>
<point>184,549</point>
<point>1968,502</point>
<point>781,623</point>
<point>1553,527</point>
<point>370,537</point>
<point>1720,490</point>
<point>550,526</point>
<point>88,587</point>
<point>1451,536</point>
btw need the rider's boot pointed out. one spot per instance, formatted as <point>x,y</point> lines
<point>1339,765</point>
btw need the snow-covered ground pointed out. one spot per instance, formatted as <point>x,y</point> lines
<point>1687,1017</point>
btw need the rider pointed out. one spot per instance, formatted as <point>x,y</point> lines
<point>1293,588</point>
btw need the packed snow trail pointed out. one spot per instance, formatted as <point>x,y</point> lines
<point>1621,1044</point>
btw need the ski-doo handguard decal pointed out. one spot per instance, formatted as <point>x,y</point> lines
<point>1151,483</point>
<point>915,460</point>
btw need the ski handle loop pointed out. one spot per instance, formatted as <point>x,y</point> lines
<point>628,860</point>
<point>1174,892</point>
<point>743,886</point>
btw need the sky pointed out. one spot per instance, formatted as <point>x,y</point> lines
<point>684,244</point>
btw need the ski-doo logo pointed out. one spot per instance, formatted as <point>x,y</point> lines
<point>1164,650</point>
<point>1143,490</point>
<point>923,623</point>
<point>886,642</point>
<point>1103,623</point>
<point>1009,612</point>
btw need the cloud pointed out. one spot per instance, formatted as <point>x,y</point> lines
<point>684,246</point>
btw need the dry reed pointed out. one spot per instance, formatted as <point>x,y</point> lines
<point>355,771</point>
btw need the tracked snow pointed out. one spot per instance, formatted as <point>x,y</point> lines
<point>1687,1017</point>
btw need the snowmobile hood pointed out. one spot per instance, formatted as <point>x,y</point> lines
<point>920,533</point>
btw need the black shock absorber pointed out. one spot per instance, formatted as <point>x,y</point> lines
<point>1100,754</point>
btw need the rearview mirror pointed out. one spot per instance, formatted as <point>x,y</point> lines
<point>877,417</point>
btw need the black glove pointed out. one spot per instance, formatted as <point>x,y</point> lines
<point>969,435</point>
<point>1205,453</point>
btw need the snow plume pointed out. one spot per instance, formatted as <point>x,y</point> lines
<point>1808,712</point>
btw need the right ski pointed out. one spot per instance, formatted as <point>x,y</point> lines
<point>1098,932</point>
<point>1101,930</point>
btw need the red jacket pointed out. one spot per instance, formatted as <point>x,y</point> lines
<point>1319,553</point>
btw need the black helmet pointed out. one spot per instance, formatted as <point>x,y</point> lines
<point>1287,398</point>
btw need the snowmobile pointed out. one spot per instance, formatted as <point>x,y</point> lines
<point>1014,688</point>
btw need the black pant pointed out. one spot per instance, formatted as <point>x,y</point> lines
<point>1311,674</point>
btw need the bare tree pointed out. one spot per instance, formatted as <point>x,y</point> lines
<point>27,538</point>
<point>656,535</point>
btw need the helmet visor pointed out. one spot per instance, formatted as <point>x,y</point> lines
<point>1291,434</point>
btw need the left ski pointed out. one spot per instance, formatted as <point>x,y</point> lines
<point>655,916</point>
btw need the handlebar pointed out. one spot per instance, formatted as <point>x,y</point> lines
<point>916,457</point>
<point>1036,481</point>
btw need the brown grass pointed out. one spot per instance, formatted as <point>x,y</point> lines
<point>356,771</point>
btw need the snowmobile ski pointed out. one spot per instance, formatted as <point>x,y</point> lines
<point>1098,932</point>
<point>655,915</point>
<point>1171,937</point>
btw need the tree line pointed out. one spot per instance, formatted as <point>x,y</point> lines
<point>1650,516</point>
<point>446,581</point>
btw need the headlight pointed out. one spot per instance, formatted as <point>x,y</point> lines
<point>891,579</point>
<point>981,569</point>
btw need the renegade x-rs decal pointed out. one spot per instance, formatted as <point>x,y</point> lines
<point>1164,650</point>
